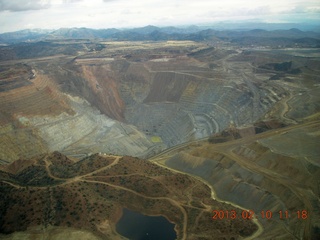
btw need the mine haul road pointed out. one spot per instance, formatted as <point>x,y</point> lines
<point>226,149</point>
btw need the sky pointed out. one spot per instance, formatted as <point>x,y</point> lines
<point>54,14</point>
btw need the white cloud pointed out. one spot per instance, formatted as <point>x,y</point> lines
<point>129,13</point>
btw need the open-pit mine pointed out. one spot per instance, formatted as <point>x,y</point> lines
<point>217,135</point>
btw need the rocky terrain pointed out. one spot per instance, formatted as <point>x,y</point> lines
<point>237,112</point>
<point>139,98</point>
<point>53,190</point>
<point>277,170</point>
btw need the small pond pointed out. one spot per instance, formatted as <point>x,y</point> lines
<point>136,226</point>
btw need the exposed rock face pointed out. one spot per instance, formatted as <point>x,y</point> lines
<point>87,131</point>
<point>95,83</point>
<point>138,99</point>
<point>149,97</point>
<point>192,101</point>
<point>270,171</point>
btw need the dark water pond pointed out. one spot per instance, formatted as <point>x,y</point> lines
<point>136,226</point>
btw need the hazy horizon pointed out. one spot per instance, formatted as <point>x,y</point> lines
<point>101,14</point>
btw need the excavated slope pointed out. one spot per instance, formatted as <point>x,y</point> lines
<point>147,102</point>
<point>139,99</point>
<point>270,171</point>
<point>38,117</point>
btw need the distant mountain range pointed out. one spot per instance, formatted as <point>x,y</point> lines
<point>154,33</point>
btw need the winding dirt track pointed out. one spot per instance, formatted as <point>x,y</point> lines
<point>177,204</point>
<point>226,149</point>
<point>223,148</point>
<point>86,178</point>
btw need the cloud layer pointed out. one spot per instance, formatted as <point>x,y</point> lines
<point>21,5</point>
<point>21,14</point>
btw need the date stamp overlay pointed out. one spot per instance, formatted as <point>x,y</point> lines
<point>264,214</point>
